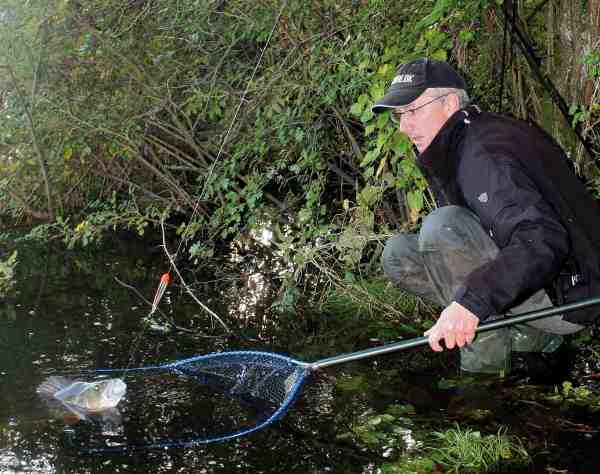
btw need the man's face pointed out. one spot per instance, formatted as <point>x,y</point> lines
<point>423,118</point>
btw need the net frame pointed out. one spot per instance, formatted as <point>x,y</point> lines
<point>298,370</point>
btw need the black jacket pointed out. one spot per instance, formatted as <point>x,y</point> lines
<point>520,184</point>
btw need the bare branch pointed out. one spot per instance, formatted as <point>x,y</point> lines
<point>185,285</point>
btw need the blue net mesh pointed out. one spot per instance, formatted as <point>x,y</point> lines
<point>200,400</point>
<point>245,374</point>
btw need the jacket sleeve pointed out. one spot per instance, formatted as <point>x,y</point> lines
<point>533,242</point>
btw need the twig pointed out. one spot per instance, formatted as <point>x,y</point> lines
<point>579,427</point>
<point>355,148</point>
<point>106,174</point>
<point>185,285</point>
<point>534,403</point>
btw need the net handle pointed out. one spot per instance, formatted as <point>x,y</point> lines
<point>421,341</point>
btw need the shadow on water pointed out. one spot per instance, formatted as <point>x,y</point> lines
<point>70,315</point>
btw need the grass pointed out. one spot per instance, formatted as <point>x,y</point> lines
<point>369,298</point>
<point>461,450</point>
<point>466,450</point>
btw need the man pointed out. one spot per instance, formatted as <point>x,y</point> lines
<point>514,225</point>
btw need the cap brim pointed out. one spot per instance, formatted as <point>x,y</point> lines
<point>397,97</point>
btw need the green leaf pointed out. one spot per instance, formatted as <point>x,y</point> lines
<point>401,145</point>
<point>370,156</point>
<point>357,109</point>
<point>367,115</point>
<point>401,410</point>
<point>381,166</point>
<point>359,106</point>
<point>385,70</point>
<point>440,55</point>
<point>415,200</point>
<point>377,90</point>
<point>436,14</point>
<point>382,120</point>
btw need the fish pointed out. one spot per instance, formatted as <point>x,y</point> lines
<point>89,396</point>
<point>109,421</point>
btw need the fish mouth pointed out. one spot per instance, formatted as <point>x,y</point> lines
<point>118,389</point>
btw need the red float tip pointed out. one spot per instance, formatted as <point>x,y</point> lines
<point>165,278</point>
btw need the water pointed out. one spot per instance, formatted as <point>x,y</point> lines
<point>70,315</point>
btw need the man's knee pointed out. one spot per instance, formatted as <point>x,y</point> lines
<point>446,226</point>
<point>396,250</point>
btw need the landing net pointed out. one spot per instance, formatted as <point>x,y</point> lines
<point>204,399</point>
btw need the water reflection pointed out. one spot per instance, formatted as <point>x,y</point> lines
<point>76,318</point>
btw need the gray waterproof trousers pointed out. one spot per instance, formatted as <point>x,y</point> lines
<point>434,263</point>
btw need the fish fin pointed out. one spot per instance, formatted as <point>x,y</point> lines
<point>52,385</point>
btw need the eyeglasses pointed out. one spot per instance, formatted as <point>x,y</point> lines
<point>397,116</point>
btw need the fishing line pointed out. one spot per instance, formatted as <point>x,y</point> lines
<point>166,277</point>
<point>172,257</point>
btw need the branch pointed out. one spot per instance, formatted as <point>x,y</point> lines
<point>44,216</point>
<point>524,43</point>
<point>38,151</point>
<point>185,285</point>
<point>351,138</point>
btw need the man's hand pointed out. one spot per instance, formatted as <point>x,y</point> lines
<point>456,326</point>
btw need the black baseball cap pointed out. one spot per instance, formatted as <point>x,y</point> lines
<point>413,78</point>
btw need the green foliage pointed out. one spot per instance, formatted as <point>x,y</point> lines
<point>100,217</point>
<point>409,465</point>
<point>7,274</point>
<point>456,449</point>
<point>581,395</point>
<point>445,384</point>
<point>286,304</point>
<point>231,114</point>
<point>349,383</point>
<point>592,61</point>
<point>130,128</point>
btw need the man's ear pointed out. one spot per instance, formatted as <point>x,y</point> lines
<point>452,103</point>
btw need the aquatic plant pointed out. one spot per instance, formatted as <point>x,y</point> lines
<point>466,450</point>
<point>382,431</point>
<point>576,395</point>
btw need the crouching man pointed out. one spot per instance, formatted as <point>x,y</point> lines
<point>515,230</point>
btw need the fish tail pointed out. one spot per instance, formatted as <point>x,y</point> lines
<point>52,385</point>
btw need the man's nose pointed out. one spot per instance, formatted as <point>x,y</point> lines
<point>406,125</point>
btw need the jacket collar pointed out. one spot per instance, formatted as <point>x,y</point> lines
<point>439,162</point>
<point>440,159</point>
